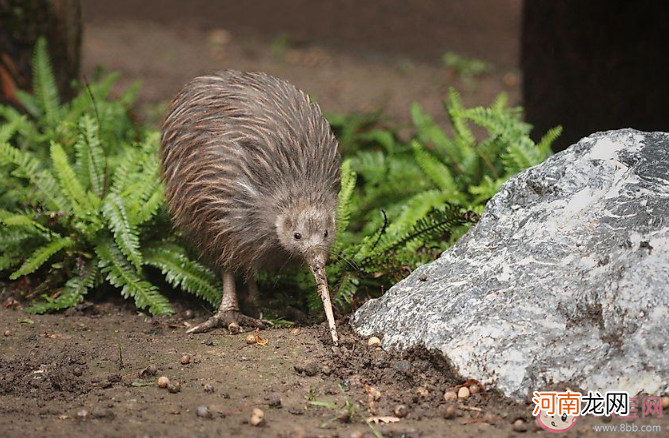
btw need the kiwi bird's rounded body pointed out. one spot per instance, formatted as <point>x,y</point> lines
<point>251,169</point>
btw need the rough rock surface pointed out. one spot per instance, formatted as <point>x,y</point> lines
<point>564,279</point>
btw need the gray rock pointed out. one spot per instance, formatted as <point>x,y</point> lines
<point>564,279</point>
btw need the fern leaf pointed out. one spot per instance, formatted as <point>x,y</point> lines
<point>41,255</point>
<point>182,272</point>
<point>416,208</point>
<point>122,274</point>
<point>72,292</point>
<point>71,186</point>
<point>44,84</point>
<point>437,172</point>
<point>348,179</point>
<point>150,207</point>
<point>520,156</point>
<point>346,290</point>
<point>30,168</point>
<point>89,132</point>
<point>125,234</point>
<point>29,102</point>
<point>547,140</point>
<point>455,108</point>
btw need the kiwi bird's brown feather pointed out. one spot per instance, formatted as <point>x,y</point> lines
<point>238,149</point>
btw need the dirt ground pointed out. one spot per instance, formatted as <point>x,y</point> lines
<point>87,373</point>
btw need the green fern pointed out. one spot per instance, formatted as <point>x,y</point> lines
<point>182,272</point>
<point>125,233</point>
<point>72,292</point>
<point>122,274</point>
<point>44,84</point>
<point>40,256</point>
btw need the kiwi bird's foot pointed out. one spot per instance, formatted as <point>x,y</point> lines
<point>225,318</point>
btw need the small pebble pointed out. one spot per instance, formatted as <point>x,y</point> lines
<point>251,339</point>
<point>8,332</point>
<point>463,393</point>
<point>82,414</point>
<point>208,387</point>
<point>422,277</point>
<point>163,382</point>
<point>233,328</point>
<point>209,342</point>
<point>519,426</point>
<point>401,411</point>
<point>203,412</point>
<point>422,392</point>
<point>474,389</point>
<point>357,434</point>
<point>450,396</point>
<point>295,331</point>
<point>606,419</point>
<point>450,412</point>
<point>185,359</point>
<point>257,417</point>
<point>374,342</point>
<point>188,314</point>
<point>665,402</point>
<point>274,401</point>
<point>174,387</point>
<point>77,371</point>
<point>326,370</point>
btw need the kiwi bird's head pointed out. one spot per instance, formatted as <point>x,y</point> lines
<point>307,232</point>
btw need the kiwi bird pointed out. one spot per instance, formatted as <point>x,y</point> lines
<point>251,169</point>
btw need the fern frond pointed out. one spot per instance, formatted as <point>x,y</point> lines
<point>44,84</point>
<point>72,292</point>
<point>437,172</point>
<point>30,168</point>
<point>346,290</point>
<point>182,272</point>
<point>89,132</point>
<point>125,233</point>
<point>416,208</point>
<point>520,156</point>
<point>41,255</point>
<point>455,108</point>
<point>547,140</point>
<point>69,182</point>
<point>29,102</point>
<point>122,274</point>
<point>348,179</point>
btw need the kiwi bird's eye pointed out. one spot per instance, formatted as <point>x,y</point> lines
<point>564,417</point>
<point>297,236</point>
<point>325,234</point>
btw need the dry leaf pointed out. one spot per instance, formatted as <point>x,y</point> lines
<point>259,340</point>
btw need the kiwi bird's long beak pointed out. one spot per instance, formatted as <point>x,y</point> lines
<point>317,266</point>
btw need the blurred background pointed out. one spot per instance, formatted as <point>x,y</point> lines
<point>587,66</point>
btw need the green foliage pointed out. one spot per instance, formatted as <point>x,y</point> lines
<point>82,206</point>
<point>85,205</point>
<point>403,202</point>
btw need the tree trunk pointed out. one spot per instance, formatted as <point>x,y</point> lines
<point>21,24</point>
<point>594,65</point>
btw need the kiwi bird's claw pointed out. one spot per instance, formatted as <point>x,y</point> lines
<point>225,318</point>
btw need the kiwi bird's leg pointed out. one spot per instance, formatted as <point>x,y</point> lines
<point>252,302</point>
<point>318,269</point>
<point>228,311</point>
